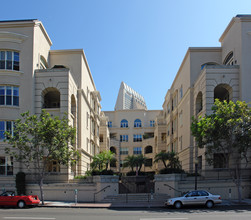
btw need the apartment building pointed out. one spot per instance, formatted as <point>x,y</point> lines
<point>207,73</point>
<point>34,77</point>
<point>131,127</point>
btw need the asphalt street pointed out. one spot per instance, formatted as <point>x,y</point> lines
<point>45,213</point>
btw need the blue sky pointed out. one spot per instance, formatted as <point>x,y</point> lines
<point>140,42</point>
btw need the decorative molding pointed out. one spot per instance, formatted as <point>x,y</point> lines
<point>12,37</point>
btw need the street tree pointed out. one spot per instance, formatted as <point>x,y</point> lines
<point>226,133</point>
<point>39,140</point>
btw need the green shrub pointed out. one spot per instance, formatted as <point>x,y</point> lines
<point>80,177</point>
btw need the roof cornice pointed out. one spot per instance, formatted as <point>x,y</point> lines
<point>25,23</point>
<point>76,51</point>
<point>195,49</point>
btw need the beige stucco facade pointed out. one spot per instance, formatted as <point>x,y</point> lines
<point>58,81</point>
<point>205,74</point>
<point>132,133</point>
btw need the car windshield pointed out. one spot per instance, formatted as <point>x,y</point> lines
<point>184,193</point>
<point>8,194</point>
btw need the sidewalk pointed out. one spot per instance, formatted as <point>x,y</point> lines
<point>130,205</point>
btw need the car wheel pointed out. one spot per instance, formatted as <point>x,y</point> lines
<point>209,204</point>
<point>21,204</point>
<point>178,205</point>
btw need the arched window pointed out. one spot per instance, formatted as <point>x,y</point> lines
<point>223,92</point>
<point>113,150</point>
<point>124,123</point>
<point>199,103</point>
<point>43,63</point>
<point>51,98</point>
<point>229,60</point>
<point>137,123</point>
<point>148,149</point>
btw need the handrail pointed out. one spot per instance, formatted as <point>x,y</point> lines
<point>172,188</point>
<point>100,191</point>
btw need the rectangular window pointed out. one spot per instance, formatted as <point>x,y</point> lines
<point>137,137</point>
<point>9,95</point>
<point>109,124</point>
<point>152,123</point>
<point>16,61</point>
<point>101,138</point>
<point>6,166</point>
<point>123,138</point>
<point>2,59</point>
<point>6,126</point>
<point>9,60</point>
<point>2,95</point>
<point>137,150</point>
<point>87,144</point>
<point>181,92</point>
<point>124,151</point>
<point>163,137</point>
<point>53,167</point>
<point>87,119</point>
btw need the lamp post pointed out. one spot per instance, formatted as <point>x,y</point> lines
<point>196,172</point>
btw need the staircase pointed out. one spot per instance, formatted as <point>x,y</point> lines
<point>155,198</point>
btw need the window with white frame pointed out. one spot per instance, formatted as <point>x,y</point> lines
<point>124,138</point>
<point>137,150</point>
<point>6,126</point>
<point>137,123</point>
<point>9,60</point>
<point>9,95</point>
<point>124,123</point>
<point>124,151</point>
<point>6,166</point>
<point>152,123</point>
<point>137,137</point>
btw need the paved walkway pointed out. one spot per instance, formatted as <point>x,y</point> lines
<point>129,205</point>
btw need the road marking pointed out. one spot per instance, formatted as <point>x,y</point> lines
<point>163,218</point>
<point>35,218</point>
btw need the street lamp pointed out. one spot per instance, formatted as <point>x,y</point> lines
<point>196,172</point>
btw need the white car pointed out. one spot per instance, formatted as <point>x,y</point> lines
<point>195,197</point>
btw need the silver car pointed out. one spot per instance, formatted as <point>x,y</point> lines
<point>196,197</point>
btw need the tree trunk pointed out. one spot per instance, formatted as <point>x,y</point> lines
<point>41,189</point>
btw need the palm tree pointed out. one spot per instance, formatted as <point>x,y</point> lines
<point>108,158</point>
<point>129,162</point>
<point>102,160</point>
<point>173,161</point>
<point>98,161</point>
<point>162,156</point>
<point>139,161</point>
